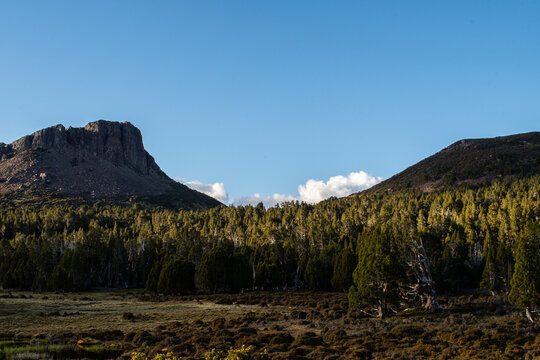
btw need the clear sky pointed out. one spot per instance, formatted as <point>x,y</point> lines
<point>263,96</point>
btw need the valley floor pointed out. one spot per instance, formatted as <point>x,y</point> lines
<point>286,325</point>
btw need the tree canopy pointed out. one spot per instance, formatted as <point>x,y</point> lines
<point>475,237</point>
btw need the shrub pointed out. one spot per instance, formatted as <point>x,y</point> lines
<point>244,353</point>
<point>143,356</point>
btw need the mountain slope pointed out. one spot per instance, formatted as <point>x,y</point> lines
<point>104,160</point>
<point>470,161</point>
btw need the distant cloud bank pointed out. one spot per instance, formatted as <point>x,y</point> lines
<point>317,190</point>
<point>311,192</point>
<point>268,201</point>
<point>216,190</point>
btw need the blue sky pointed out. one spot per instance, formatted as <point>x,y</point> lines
<point>264,96</point>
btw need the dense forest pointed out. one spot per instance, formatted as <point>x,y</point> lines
<point>477,238</point>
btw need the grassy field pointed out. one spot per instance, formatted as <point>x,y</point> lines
<point>27,314</point>
<point>285,325</point>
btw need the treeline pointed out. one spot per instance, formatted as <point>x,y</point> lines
<point>471,236</point>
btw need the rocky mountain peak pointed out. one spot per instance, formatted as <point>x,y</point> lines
<point>120,143</point>
<point>102,159</point>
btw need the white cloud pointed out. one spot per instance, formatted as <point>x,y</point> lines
<point>268,201</point>
<point>317,190</point>
<point>311,192</point>
<point>217,190</point>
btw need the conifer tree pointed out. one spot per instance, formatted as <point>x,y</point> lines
<point>153,277</point>
<point>177,277</point>
<point>505,265</point>
<point>344,266</point>
<point>525,292</point>
<point>378,275</point>
<point>490,277</point>
<point>318,273</point>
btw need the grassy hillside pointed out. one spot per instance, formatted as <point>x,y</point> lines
<point>470,161</point>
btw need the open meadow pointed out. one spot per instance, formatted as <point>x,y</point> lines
<point>277,325</point>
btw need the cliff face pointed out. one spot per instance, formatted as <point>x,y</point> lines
<point>119,143</point>
<point>102,160</point>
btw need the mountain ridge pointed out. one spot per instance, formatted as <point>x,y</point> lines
<point>469,161</point>
<point>103,160</point>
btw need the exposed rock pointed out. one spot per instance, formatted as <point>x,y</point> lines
<point>103,160</point>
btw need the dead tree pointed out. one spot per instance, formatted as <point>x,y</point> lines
<point>529,315</point>
<point>423,285</point>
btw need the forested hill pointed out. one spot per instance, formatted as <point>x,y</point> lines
<point>105,161</point>
<point>471,237</point>
<point>483,237</point>
<point>471,161</point>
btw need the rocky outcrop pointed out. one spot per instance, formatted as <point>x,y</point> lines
<point>102,160</point>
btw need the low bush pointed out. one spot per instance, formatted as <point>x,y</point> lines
<point>244,353</point>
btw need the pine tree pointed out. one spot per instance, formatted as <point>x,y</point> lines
<point>525,292</point>
<point>153,277</point>
<point>490,279</point>
<point>378,275</point>
<point>318,273</point>
<point>344,266</point>
<point>505,265</point>
<point>177,277</point>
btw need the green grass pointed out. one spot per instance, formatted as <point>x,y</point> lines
<point>99,348</point>
<point>10,349</point>
<point>34,349</point>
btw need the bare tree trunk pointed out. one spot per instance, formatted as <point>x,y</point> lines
<point>297,283</point>
<point>424,286</point>
<point>529,315</point>
<point>382,311</point>
<point>382,305</point>
<point>431,303</point>
<point>253,276</point>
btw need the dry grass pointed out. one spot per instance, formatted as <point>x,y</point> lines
<point>289,325</point>
<point>102,311</point>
